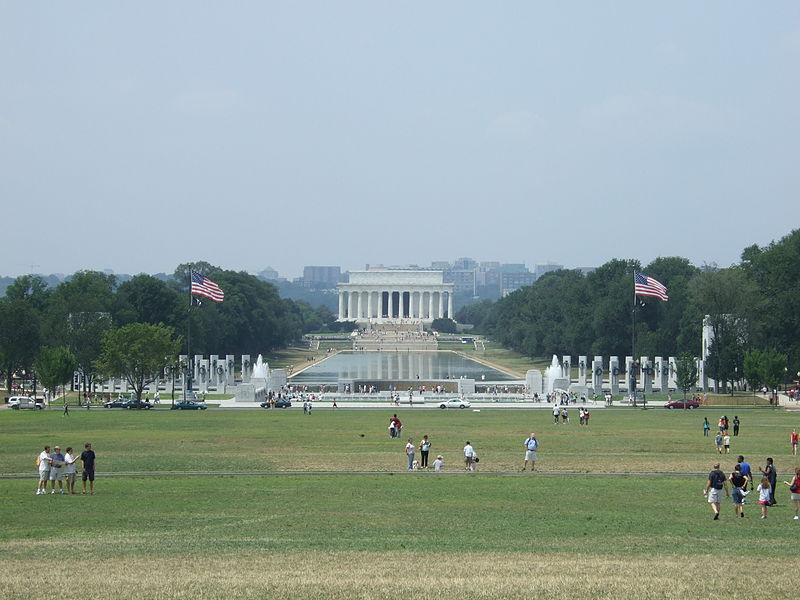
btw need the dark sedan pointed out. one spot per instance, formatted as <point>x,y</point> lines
<point>137,404</point>
<point>279,403</point>
<point>116,404</point>
<point>189,405</point>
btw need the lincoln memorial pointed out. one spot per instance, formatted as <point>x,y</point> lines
<point>383,296</point>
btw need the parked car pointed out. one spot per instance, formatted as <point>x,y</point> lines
<point>687,403</point>
<point>454,403</point>
<point>137,404</point>
<point>18,402</point>
<point>189,405</point>
<point>116,404</point>
<point>279,403</point>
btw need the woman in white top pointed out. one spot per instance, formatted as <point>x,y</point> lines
<point>69,470</point>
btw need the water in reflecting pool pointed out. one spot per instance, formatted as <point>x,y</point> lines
<point>393,366</point>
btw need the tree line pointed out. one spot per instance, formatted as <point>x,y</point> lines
<point>752,309</point>
<point>62,328</point>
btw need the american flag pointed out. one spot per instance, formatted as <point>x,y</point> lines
<point>203,286</point>
<point>647,286</point>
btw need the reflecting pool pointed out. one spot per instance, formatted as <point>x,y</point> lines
<point>393,366</point>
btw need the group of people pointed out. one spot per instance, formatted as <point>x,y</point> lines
<point>57,467</point>
<point>740,478</point>
<point>424,450</point>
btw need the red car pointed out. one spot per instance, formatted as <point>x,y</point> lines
<point>682,404</point>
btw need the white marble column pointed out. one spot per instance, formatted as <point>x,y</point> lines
<point>441,304</point>
<point>430,304</point>
<point>450,305</point>
<point>341,304</point>
<point>391,304</point>
<point>351,305</point>
<point>369,305</point>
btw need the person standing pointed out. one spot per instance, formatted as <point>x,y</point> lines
<point>738,483</point>
<point>706,426</point>
<point>556,414</point>
<point>735,425</point>
<point>531,446</point>
<point>716,482</point>
<point>794,488</point>
<point>793,438</point>
<point>66,408</point>
<point>410,453</point>
<point>43,462</point>
<point>726,442</point>
<point>469,455</point>
<point>424,450</point>
<point>69,469</point>
<point>88,459</point>
<point>771,474</point>
<point>56,470</point>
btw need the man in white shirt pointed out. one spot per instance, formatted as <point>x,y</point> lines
<point>469,455</point>
<point>43,462</point>
<point>69,470</point>
<point>531,445</point>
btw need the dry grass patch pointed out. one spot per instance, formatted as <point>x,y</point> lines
<point>347,575</point>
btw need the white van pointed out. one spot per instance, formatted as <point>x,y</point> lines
<point>18,402</point>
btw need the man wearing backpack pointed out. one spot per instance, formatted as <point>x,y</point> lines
<point>716,482</point>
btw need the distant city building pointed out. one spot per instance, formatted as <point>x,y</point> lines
<point>513,280</point>
<point>321,277</point>
<point>269,274</point>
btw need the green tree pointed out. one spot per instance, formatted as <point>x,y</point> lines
<point>54,367</point>
<point>139,352</point>
<point>19,337</point>
<point>145,299</point>
<point>753,368</point>
<point>774,364</point>
<point>686,372</point>
<point>79,316</point>
<point>444,325</point>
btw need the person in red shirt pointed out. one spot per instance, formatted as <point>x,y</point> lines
<point>793,441</point>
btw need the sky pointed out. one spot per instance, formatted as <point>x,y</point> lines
<point>136,136</point>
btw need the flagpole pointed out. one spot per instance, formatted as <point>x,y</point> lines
<point>632,374</point>
<point>189,371</point>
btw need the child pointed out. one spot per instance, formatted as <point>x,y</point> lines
<point>763,496</point>
<point>415,465</point>
<point>438,463</point>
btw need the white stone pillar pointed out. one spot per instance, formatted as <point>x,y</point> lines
<point>351,308</point>
<point>369,305</point>
<point>441,304</point>
<point>391,304</point>
<point>450,305</point>
<point>341,305</point>
<point>430,304</point>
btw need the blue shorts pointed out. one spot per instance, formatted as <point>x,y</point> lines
<point>737,495</point>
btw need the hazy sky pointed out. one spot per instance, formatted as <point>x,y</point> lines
<point>139,135</point>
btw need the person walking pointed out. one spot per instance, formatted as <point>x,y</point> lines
<point>424,450</point>
<point>469,456</point>
<point>718,442</point>
<point>738,483</point>
<point>410,453</point>
<point>66,408</point>
<point>744,467</point>
<point>706,426</point>
<point>726,442</point>
<point>531,446</point>
<point>735,426</point>
<point>793,438</point>
<point>771,473</point>
<point>794,488</point>
<point>764,495</point>
<point>716,482</point>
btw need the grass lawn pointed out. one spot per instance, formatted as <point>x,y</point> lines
<point>314,529</point>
